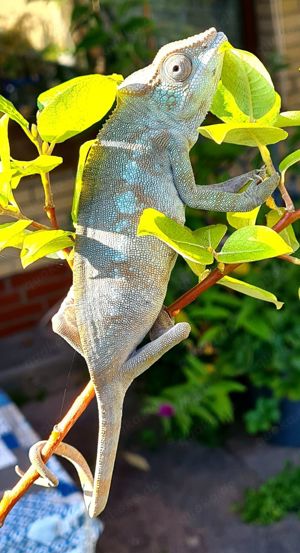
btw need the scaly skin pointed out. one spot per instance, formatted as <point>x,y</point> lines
<point>140,159</point>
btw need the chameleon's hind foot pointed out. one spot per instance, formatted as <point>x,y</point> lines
<point>162,324</point>
<point>147,355</point>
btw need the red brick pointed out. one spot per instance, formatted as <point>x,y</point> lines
<point>21,311</point>
<point>9,299</point>
<point>16,327</point>
<point>30,277</point>
<point>48,287</point>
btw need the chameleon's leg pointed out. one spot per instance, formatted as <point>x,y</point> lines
<point>236,183</point>
<point>64,322</point>
<point>110,399</point>
<point>215,197</point>
<point>164,335</point>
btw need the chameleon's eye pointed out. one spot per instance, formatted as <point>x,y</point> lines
<point>177,67</point>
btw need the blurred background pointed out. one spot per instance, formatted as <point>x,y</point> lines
<point>222,411</point>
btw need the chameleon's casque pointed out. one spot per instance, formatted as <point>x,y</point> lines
<point>140,159</point>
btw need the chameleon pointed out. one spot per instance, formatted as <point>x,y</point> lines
<point>140,159</point>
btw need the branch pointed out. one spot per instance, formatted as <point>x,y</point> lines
<point>11,497</point>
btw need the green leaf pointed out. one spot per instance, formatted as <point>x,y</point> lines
<point>179,238</point>
<point>272,115</point>
<point>224,106</point>
<point>250,290</point>
<point>288,233</point>
<point>198,269</point>
<point>209,237</point>
<point>43,242</point>
<point>11,234</point>
<point>73,106</point>
<point>246,87</point>
<point>41,164</point>
<point>5,173</point>
<point>243,219</point>
<point>253,243</point>
<point>83,153</point>
<point>289,160</point>
<point>7,107</point>
<point>245,134</point>
<point>288,119</point>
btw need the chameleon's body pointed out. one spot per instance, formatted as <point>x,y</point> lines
<point>140,159</point>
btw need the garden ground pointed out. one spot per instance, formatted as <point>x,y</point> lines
<point>184,503</point>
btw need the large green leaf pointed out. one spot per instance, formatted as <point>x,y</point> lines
<point>288,119</point>
<point>253,243</point>
<point>243,219</point>
<point>44,242</point>
<point>246,134</point>
<point>7,107</point>
<point>288,233</point>
<point>289,160</point>
<point>83,153</point>
<point>73,106</point>
<point>5,172</point>
<point>12,234</point>
<point>179,238</point>
<point>250,290</point>
<point>246,87</point>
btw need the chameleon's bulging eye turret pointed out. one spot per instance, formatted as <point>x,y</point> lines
<point>177,67</point>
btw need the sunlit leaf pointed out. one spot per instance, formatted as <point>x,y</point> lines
<point>246,88</point>
<point>179,238</point>
<point>209,237</point>
<point>73,106</point>
<point>7,107</point>
<point>12,234</point>
<point>271,116</point>
<point>198,269</point>
<point>253,243</point>
<point>246,134</point>
<point>41,164</point>
<point>288,233</point>
<point>243,219</point>
<point>5,172</point>
<point>288,119</point>
<point>289,160</point>
<point>250,290</point>
<point>44,242</point>
<point>83,153</point>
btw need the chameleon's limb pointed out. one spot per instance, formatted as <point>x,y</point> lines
<point>163,323</point>
<point>223,196</point>
<point>148,354</point>
<point>64,322</point>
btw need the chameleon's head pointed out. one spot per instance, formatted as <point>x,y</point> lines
<point>181,80</point>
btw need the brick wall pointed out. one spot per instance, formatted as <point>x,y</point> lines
<point>27,296</point>
<point>278,26</point>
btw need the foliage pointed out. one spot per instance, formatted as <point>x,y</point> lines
<point>264,416</point>
<point>201,395</point>
<point>274,499</point>
<point>122,30</point>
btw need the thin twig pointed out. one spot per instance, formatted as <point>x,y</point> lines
<point>11,497</point>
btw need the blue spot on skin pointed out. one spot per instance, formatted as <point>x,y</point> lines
<point>130,173</point>
<point>119,256</point>
<point>121,225</point>
<point>126,202</point>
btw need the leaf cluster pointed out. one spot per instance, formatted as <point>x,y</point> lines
<point>273,500</point>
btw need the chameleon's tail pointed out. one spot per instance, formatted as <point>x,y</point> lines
<point>110,406</point>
